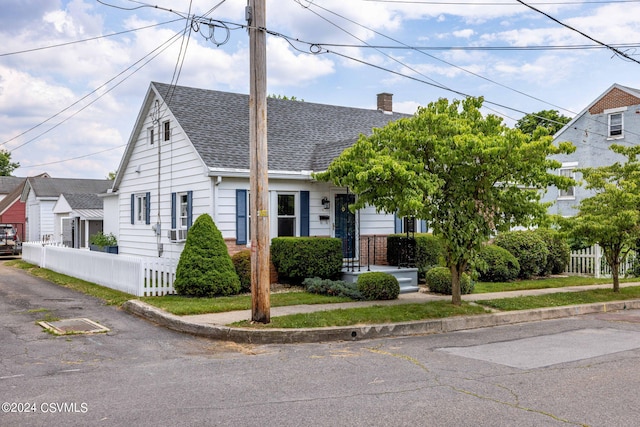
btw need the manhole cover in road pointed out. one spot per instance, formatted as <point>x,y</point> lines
<point>547,350</point>
<point>73,326</point>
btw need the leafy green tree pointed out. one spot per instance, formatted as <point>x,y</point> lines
<point>205,268</point>
<point>467,175</point>
<point>610,218</point>
<point>6,165</point>
<point>552,120</point>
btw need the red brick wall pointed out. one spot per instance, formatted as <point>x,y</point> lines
<point>614,99</point>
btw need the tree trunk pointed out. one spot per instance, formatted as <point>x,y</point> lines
<point>456,272</point>
<point>615,268</point>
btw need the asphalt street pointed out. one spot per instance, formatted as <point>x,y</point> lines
<point>580,371</point>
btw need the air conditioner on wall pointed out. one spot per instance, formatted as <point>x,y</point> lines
<point>178,235</point>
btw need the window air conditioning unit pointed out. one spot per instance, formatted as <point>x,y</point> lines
<point>179,235</point>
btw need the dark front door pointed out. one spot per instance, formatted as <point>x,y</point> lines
<point>346,224</point>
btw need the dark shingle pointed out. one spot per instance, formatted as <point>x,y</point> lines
<point>53,187</point>
<point>83,201</point>
<point>217,124</point>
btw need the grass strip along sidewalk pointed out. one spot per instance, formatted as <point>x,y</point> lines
<point>375,314</point>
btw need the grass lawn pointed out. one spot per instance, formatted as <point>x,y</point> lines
<point>371,315</point>
<point>562,298</point>
<point>181,306</point>
<point>547,282</point>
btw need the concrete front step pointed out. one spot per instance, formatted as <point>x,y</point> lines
<point>407,277</point>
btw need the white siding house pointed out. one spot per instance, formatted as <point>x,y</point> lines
<point>188,154</point>
<point>41,194</point>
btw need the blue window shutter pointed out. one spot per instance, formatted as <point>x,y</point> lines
<point>304,213</point>
<point>423,226</point>
<point>189,209</point>
<point>241,217</point>
<point>397,224</point>
<point>173,211</point>
<point>148,218</point>
<point>133,209</point>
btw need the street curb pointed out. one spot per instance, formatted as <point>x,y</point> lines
<point>364,332</point>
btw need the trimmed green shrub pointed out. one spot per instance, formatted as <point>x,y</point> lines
<point>428,250</point>
<point>559,251</point>
<point>242,263</point>
<point>439,281</point>
<point>429,253</point>
<point>339,288</point>
<point>529,249</point>
<point>205,268</point>
<point>497,264</point>
<point>296,258</point>
<point>376,285</point>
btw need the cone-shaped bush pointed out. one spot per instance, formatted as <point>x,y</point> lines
<point>205,268</point>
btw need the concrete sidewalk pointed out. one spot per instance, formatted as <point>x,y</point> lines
<point>214,325</point>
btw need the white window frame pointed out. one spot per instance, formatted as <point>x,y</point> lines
<point>296,212</point>
<point>610,128</point>
<point>569,194</point>
<point>141,209</point>
<point>182,214</point>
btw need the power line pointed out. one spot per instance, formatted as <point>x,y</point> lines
<point>615,50</point>
<point>466,3</point>
<point>168,43</point>
<point>74,158</point>
<point>485,48</point>
<point>89,39</point>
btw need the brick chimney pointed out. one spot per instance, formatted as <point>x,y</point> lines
<point>385,102</point>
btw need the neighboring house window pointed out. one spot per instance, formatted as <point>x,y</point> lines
<point>182,210</point>
<point>242,217</point>
<point>151,135</point>
<point>286,215</point>
<point>141,208</point>
<point>569,193</point>
<point>409,225</point>
<point>166,130</point>
<point>615,125</point>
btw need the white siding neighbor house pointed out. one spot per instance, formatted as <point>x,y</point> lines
<point>188,154</point>
<point>40,195</point>
<point>612,118</point>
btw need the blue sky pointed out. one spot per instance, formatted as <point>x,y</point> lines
<point>69,111</point>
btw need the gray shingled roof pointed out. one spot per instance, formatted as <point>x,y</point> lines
<point>9,183</point>
<point>53,187</point>
<point>300,135</point>
<point>83,201</point>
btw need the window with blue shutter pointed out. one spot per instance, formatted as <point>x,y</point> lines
<point>304,213</point>
<point>133,209</point>
<point>241,217</point>
<point>189,209</point>
<point>173,211</point>
<point>397,224</point>
<point>147,217</point>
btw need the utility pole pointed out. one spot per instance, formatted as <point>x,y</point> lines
<point>259,177</point>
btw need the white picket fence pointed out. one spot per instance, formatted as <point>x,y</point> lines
<point>591,262</point>
<point>135,275</point>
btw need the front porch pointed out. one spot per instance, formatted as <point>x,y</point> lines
<point>407,277</point>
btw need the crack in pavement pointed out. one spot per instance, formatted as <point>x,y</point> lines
<point>441,383</point>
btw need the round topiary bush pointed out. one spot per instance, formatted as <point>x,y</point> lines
<point>497,264</point>
<point>439,281</point>
<point>559,251</point>
<point>205,268</point>
<point>376,285</point>
<point>529,249</point>
<point>242,263</point>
